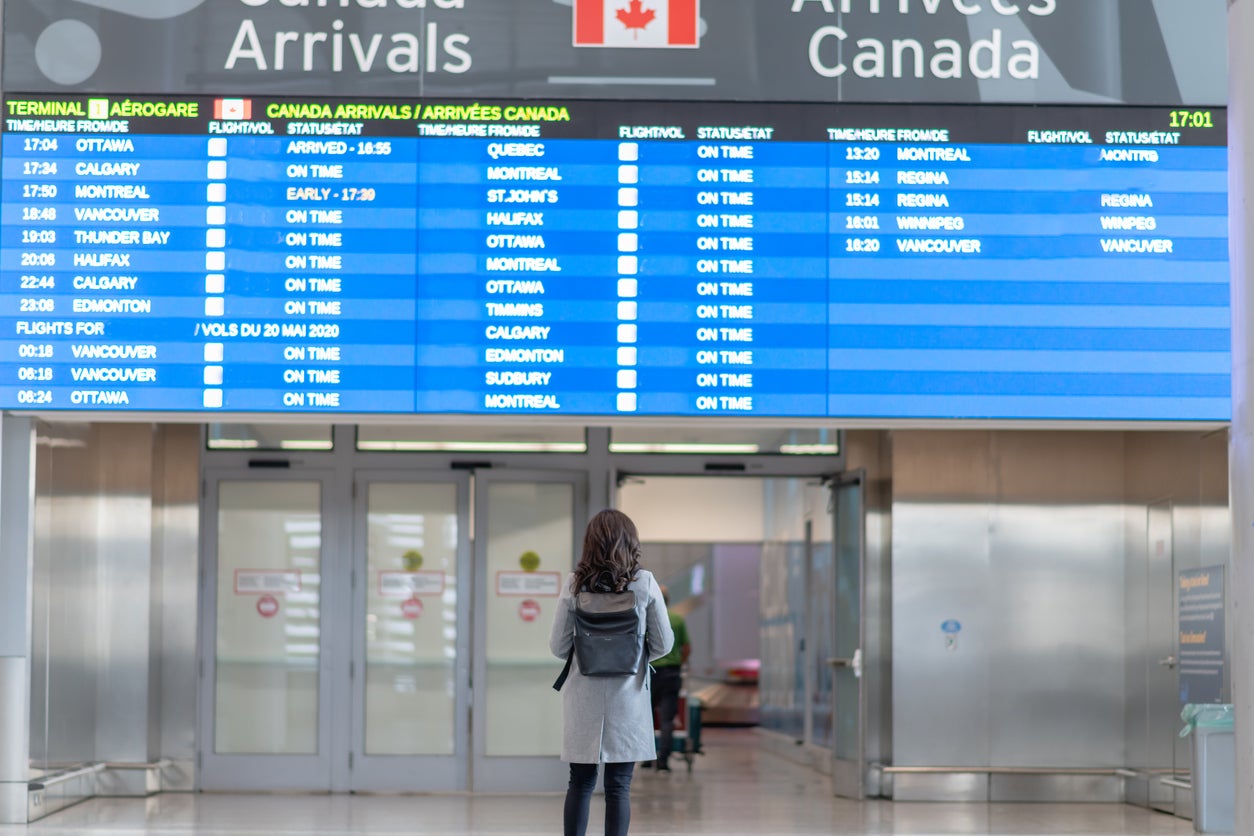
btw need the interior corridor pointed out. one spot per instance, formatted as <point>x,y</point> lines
<point>734,788</point>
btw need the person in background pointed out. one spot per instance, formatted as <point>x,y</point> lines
<point>607,719</point>
<point>667,680</point>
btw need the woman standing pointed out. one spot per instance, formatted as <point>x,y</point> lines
<point>609,719</point>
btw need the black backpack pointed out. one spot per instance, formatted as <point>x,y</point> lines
<point>608,639</point>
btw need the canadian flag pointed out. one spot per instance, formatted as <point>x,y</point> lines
<point>233,109</point>
<point>637,23</point>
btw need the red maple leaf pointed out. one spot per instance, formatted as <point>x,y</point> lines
<point>635,16</point>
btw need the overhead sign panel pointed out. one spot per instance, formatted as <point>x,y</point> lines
<point>261,254</point>
<point>1162,52</point>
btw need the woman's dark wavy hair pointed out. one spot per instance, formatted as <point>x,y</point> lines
<point>611,554</point>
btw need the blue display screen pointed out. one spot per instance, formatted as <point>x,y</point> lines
<point>614,259</point>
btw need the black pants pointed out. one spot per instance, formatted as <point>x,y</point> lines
<point>583,780</point>
<point>665,695</point>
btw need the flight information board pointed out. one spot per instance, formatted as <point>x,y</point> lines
<point>614,259</point>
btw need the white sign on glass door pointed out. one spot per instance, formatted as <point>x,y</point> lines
<point>529,583</point>
<point>410,584</point>
<point>266,582</point>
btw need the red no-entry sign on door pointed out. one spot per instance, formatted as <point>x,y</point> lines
<point>412,608</point>
<point>529,610</point>
<point>268,606</point>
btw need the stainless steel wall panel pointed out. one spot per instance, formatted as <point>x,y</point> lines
<point>1214,535</point>
<point>101,615</point>
<point>65,649</point>
<point>1056,642</point>
<point>1136,791</point>
<point>969,787</point>
<point>941,572</point>
<point>124,592</point>
<point>942,483</point>
<point>39,606</point>
<point>1183,803</point>
<point>1055,789</point>
<point>176,545</point>
<point>1019,537</point>
<point>67,587</point>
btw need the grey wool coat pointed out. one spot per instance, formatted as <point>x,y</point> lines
<point>609,719</point>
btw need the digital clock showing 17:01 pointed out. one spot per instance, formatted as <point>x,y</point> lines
<point>1192,119</point>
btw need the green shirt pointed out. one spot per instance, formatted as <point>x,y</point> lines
<point>676,657</point>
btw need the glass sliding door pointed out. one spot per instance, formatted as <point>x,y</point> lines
<point>268,686</point>
<point>412,621</point>
<point>527,530</point>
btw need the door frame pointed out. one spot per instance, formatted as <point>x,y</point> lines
<point>262,771</point>
<point>340,466</point>
<point>409,773</point>
<point>1162,697</point>
<point>805,644</point>
<point>849,777</point>
<point>505,773</point>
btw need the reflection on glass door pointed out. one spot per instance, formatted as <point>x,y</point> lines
<point>266,728</point>
<point>848,692</point>
<point>413,697</point>
<point>525,545</point>
<point>821,632</point>
<point>411,619</point>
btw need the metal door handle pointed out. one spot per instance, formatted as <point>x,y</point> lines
<point>855,663</point>
<point>1169,662</point>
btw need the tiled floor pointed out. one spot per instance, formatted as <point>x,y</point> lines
<point>734,789</point>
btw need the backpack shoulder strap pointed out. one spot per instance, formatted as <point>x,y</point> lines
<point>561,677</point>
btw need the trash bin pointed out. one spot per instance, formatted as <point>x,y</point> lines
<point>1214,766</point>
